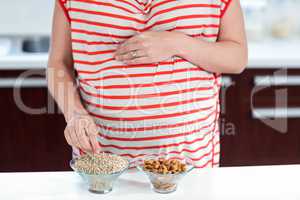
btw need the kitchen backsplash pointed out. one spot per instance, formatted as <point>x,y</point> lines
<point>26,17</point>
<point>276,19</point>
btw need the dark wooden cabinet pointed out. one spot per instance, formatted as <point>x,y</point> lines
<point>30,142</point>
<point>262,140</point>
<point>35,142</point>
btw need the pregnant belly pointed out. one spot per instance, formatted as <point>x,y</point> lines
<point>149,92</point>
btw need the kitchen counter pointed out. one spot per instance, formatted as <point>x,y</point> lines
<point>247,183</point>
<point>23,61</point>
<point>274,54</point>
<point>267,54</point>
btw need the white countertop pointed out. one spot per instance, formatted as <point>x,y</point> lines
<point>267,54</point>
<point>278,54</point>
<point>244,183</point>
<point>23,61</point>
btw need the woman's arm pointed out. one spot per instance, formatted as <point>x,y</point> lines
<point>81,130</point>
<point>228,55</point>
<point>61,78</point>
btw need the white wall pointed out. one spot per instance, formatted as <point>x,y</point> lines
<point>26,17</point>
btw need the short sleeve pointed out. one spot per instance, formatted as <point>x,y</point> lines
<point>65,4</point>
<point>224,6</point>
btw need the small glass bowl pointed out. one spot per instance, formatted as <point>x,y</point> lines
<point>165,183</point>
<point>98,183</point>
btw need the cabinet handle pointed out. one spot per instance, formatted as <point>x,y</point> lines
<point>23,83</point>
<point>263,113</point>
<point>277,80</point>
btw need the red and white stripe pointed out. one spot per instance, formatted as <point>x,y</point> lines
<point>170,107</point>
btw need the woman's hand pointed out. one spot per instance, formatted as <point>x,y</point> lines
<point>147,47</point>
<point>81,132</point>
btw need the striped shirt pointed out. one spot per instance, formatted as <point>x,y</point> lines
<point>170,107</point>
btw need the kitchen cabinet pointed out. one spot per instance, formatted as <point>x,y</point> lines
<point>35,142</point>
<point>30,142</point>
<point>248,101</point>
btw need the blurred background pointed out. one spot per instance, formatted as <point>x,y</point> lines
<point>260,115</point>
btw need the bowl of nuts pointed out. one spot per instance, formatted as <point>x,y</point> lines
<point>165,172</point>
<point>100,171</point>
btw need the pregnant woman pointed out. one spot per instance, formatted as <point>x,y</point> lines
<point>136,77</point>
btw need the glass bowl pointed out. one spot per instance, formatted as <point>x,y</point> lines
<point>98,183</point>
<point>164,183</point>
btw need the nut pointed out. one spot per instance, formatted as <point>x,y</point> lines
<point>165,166</point>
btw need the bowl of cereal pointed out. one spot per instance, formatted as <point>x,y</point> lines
<point>100,171</point>
<point>165,172</point>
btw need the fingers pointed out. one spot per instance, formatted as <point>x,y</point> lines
<point>134,39</point>
<point>94,143</point>
<point>70,135</point>
<point>83,140</point>
<point>92,132</point>
<point>82,133</point>
<point>140,60</point>
<point>131,55</point>
<point>68,138</point>
<point>128,47</point>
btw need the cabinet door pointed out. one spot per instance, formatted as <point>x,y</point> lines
<point>30,142</point>
<point>230,120</point>
<point>260,138</point>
